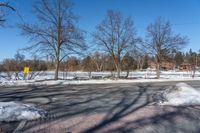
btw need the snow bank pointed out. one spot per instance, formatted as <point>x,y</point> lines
<point>7,83</point>
<point>13,111</point>
<point>90,81</point>
<point>180,95</point>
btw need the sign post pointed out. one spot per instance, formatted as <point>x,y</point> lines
<point>26,71</point>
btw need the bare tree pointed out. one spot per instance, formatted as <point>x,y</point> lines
<point>161,40</point>
<point>128,64</point>
<point>192,60</point>
<point>54,33</point>
<point>99,60</point>
<point>116,35</point>
<point>3,9</point>
<point>138,55</point>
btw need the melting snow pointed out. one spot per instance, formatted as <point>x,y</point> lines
<point>181,94</point>
<point>13,111</point>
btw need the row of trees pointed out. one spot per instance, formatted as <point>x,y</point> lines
<point>15,66</point>
<point>93,62</point>
<point>56,34</point>
<point>99,62</point>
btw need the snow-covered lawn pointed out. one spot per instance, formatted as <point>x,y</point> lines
<point>80,77</point>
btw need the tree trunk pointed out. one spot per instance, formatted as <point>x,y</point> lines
<point>118,67</point>
<point>57,69</point>
<point>127,73</point>
<point>158,70</point>
<point>118,72</point>
<point>194,70</point>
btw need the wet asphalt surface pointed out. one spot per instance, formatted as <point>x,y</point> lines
<point>66,101</point>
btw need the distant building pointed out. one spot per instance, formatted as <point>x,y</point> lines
<point>167,65</point>
<point>185,67</point>
<point>164,66</point>
<point>151,64</point>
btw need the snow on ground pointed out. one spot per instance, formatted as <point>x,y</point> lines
<point>13,111</point>
<point>181,94</point>
<point>101,81</point>
<point>80,77</point>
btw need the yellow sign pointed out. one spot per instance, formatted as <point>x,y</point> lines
<point>26,70</point>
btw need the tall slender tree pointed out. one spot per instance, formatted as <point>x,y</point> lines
<point>192,60</point>
<point>55,32</point>
<point>179,58</point>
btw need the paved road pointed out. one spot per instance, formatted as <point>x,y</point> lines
<point>117,100</point>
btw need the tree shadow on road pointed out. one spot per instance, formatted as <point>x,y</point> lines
<point>68,101</point>
<point>117,102</point>
<point>113,116</point>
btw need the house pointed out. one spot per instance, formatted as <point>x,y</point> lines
<point>166,65</point>
<point>185,67</point>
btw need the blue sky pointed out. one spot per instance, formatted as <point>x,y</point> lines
<point>184,16</point>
